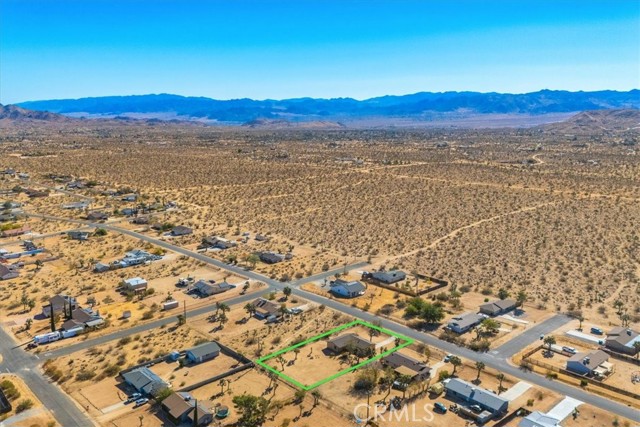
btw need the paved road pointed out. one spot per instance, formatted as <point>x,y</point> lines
<point>83,345</point>
<point>19,362</point>
<point>492,361</point>
<point>529,336</point>
<point>497,361</point>
<point>326,274</point>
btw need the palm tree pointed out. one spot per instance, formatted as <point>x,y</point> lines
<point>480,367</point>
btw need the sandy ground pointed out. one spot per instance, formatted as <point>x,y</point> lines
<point>38,415</point>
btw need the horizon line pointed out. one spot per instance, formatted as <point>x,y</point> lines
<point>323,98</point>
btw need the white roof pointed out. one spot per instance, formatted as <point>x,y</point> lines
<point>539,419</point>
<point>135,281</point>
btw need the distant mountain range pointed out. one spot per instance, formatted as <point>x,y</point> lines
<point>423,106</point>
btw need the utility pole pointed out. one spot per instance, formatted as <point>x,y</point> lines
<point>184,304</point>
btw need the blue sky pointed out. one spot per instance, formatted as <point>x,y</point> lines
<point>282,49</point>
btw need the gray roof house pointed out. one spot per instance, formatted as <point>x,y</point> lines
<point>491,403</point>
<point>464,322</point>
<point>78,235</point>
<point>218,242</point>
<point>347,289</point>
<point>97,216</point>
<point>181,230</point>
<point>7,273</point>
<point>203,352</point>
<point>341,343</point>
<point>622,340</point>
<point>265,308</point>
<point>590,364</point>
<point>406,365</point>
<point>271,257</point>
<point>389,277</point>
<point>144,380</point>
<point>207,289</point>
<point>495,308</point>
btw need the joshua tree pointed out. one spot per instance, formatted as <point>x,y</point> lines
<point>316,398</point>
<point>549,341</point>
<point>287,292</point>
<point>250,309</point>
<point>281,360</point>
<point>479,367</point>
<point>455,362</point>
<point>500,378</point>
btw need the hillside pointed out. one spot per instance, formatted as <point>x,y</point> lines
<point>419,106</point>
<point>623,120</point>
<point>18,114</point>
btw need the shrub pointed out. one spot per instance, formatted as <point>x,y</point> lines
<point>443,375</point>
<point>124,341</point>
<point>24,405</point>
<point>85,375</point>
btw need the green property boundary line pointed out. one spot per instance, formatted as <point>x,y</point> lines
<point>261,362</point>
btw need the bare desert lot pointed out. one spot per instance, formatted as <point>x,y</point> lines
<point>549,213</point>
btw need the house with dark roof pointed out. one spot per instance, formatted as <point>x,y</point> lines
<point>78,235</point>
<point>203,352</point>
<point>181,230</point>
<point>492,405</point>
<point>218,242</point>
<point>623,340</point>
<point>265,308</point>
<point>83,318</point>
<point>144,380</point>
<point>464,322</point>
<point>141,220</point>
<point>593,363</point>
<point>59,303</point>
<point>407,365</point>
<point>350,341</point>
<point>388,277</point>
<point>271,257</point>
<point>207,289</point>
<point>5,405</point>
<point>97,216</point>
<point>496,308</point>
<point>8,273</point>
<point>180,409</point>
<point>347,289</point>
